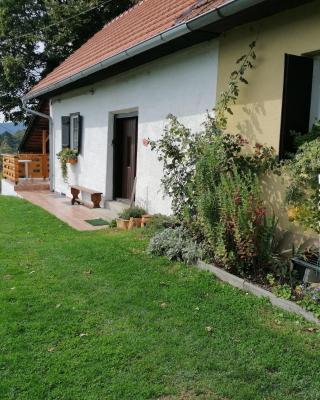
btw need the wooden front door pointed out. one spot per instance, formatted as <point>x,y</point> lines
<point>126,130</point>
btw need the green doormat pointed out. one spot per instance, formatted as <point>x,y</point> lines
<point>97,222</point>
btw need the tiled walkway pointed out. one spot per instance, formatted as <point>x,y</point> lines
<point>61,207</point>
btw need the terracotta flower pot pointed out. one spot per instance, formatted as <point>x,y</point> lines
<point>145,220</point>
<point>122,224</point>
<point>134,223</point>
<point>72,161</point>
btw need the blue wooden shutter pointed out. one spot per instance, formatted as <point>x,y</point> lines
<point>65,131</point>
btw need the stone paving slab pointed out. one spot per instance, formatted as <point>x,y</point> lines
<point>60,207</point>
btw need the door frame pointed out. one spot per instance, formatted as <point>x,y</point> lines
<point>116,172</point>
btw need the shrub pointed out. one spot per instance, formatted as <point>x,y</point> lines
<point>160,222</point>
<point>175,243</point>
<point>133,212</point>
<point>302,192</point>
<point>310,299</point>
<point>300,138</point>
<point>113,223</point>
<point>220,205</point>
<point>233,216</point>
<point>180,148</point>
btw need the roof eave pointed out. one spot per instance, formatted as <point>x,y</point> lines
<point>194,24</point>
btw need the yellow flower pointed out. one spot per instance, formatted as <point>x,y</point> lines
<point>292,213</point>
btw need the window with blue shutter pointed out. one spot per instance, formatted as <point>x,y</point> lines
<point>71,131</point>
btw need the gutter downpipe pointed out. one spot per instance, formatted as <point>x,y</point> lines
<point>196,23</point>
<point>51,144</point>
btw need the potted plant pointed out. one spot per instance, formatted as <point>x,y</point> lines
<point>146,218</point>
<point>130,218</point>
<point>67,156</point>
<point>122,223</point>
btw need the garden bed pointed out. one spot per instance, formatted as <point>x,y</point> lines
<point>252,288</point>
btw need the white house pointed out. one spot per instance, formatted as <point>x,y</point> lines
<point>116,91</point>
<point>120,112</point>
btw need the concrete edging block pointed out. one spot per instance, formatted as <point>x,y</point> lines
<point>223,275</point>
<point>246,286</point>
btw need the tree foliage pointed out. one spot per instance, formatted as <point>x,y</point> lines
<point>9,143</point>
<point>36,35</point>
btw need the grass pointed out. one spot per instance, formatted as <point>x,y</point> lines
<point>90,316</point>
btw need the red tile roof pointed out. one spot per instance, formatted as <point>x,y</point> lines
<point>141,22</point>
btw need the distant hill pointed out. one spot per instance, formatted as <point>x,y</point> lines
<point>9,143</point>
<point>10,127</point>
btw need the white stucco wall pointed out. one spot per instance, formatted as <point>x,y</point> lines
<point>7,188</point>
<point>183,84</point>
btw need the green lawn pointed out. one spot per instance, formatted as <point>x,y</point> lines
<point>90,316</point>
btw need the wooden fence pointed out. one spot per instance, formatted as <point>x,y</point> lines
<point>38,167</point>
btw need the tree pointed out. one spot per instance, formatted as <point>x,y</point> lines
<point>9,143</point>
<point>36,35</point>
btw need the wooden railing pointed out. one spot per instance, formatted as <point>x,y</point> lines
<point>14,169</point>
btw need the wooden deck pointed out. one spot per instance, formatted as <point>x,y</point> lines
<point>14,166</point>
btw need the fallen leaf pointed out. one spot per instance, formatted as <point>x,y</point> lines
<point>83,334</point>
<point>163,305</point>
<point>312,330</point>
<point>51,349</point>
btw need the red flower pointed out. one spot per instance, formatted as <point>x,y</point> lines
<point>146,142</point>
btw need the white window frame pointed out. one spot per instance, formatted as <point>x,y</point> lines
<point>73,131</point>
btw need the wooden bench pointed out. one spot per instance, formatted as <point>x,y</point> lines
<point>95,196</point>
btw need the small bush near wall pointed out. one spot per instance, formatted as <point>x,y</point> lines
<point>198,170</point>
<point>303,191</point>
<point>309,298</point>
<point>175,243</point>
<point>235,221</point>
